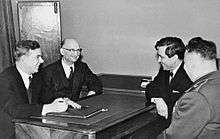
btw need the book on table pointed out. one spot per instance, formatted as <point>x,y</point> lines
<point>84,112</point>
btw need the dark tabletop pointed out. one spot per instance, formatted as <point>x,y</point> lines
<point>120,107</point>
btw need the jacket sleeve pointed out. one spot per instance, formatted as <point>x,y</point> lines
<point>157,87</point>
<point>14,104</point>
<point>92,82</point>
<point>191,114</point>
<point>48,87</point>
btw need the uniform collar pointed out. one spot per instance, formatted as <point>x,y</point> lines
<point>201,81</point>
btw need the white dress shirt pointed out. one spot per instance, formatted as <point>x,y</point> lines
<point>66,68</point>
<point>175,70</point>
<point>25,77</point>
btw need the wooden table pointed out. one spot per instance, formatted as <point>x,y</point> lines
<point>126,114</point>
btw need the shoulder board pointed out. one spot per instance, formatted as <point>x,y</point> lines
<point>197,86</point>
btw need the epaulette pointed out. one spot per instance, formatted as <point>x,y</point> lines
<point>197,86</point>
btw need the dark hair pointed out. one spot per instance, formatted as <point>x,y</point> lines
<point>207,49</point>
<point>24,46</point>
<point>175,46</point>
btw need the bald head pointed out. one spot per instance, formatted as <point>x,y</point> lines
<point>70,44</point>
<point>70,51</point>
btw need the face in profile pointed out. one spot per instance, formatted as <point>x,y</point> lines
<point>164,60</point>
<point>70,51</point>
<point>32,60</point>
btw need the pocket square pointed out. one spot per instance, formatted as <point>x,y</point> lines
<point>175,92</point>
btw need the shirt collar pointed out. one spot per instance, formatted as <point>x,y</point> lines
<point>24,76</point>
<point>22,73</point>
<point>175,70</point>
<point>66,66</point>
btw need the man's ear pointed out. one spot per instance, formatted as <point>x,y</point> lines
<point>61,51</point>
<point>176,56</point>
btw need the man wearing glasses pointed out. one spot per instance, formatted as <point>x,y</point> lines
<point>65,77</point>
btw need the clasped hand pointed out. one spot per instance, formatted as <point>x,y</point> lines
<point>161,106</point>
<point>59,105</point>
<point>72,103</point>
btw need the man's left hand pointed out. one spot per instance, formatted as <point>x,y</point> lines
<point>161,106</point>
<point>72,103</point>
<point>91,93</point>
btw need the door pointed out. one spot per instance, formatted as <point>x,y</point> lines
<point>40,21</point>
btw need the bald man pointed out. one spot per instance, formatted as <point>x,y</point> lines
<point>65,77</point>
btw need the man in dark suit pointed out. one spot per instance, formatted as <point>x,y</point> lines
<point>168,85</point>
<point>65,77</point>
<point>18,97</point>
<point>171,81</point>
<point>196,114</point>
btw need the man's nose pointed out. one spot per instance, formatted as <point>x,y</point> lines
<point>75,52</point>
<point>41,60</point>
<point>159,59</point>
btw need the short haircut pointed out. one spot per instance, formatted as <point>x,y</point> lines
<point>175,46</point>
<point>23,47</point>
<point>207,49</point>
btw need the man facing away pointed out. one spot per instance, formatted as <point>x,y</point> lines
<point>20,97</point>
<point>172,80</point>
<point>197,113</point>
<point>65,77</point>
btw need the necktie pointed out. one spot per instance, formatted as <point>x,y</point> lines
<point>170,76</point>
<point>70,79</point>
<point>29,93</point>
<point>71,72</point>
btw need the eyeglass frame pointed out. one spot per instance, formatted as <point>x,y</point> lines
<point>73,50</point>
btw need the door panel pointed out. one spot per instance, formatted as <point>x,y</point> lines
<point>41,21</point>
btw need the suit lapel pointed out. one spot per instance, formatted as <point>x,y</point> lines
<point>177,77</point>
<point>76,75</point>
<point>167,77</point>
<point>20,84</point>
<point>60,74</point>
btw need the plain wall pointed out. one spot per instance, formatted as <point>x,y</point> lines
<point>118,36</point>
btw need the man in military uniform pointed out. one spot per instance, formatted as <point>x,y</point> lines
<point>197,113</point>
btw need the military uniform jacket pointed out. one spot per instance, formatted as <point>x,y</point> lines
<point>197,113</point>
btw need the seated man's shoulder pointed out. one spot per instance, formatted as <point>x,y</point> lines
<point>81,64</point>
<point>51,66</point>
<point>8,76</point>
<point>211,83</point>
<point>208,85</point>
<point>8,72</point>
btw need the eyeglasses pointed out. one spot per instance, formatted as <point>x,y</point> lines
<point>73,50</point>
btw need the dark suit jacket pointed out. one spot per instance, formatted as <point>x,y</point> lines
<point>170,92</point>
<point>56,84</point>
<point>14,100</point>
